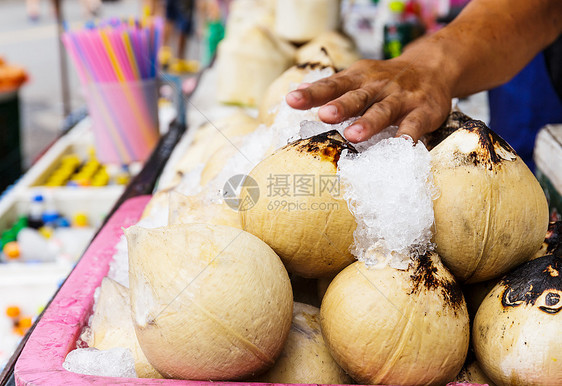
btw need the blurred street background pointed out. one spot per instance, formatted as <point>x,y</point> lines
<point>33,45</point>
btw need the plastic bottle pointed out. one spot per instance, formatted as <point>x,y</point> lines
<point>35,216</point>
<point>393,39</point>
<point>403,26</point>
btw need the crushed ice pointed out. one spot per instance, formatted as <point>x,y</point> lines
<point>117,362</point>
<point>390,191</point>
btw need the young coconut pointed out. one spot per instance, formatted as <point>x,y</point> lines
<point>112,326</point>
<point>396,327</point>
<point>472,373</point>
<point>301,213</point>
<point>219,159</point>
<point>209,302</point>
<point>339,48</point>
<point>287,82</point>
<point>210,137</point>
<point>197,209</point>
<point>305,357</point>
<point>247,63</point>
<point>300,21</point>
<point>516,333</point>
<point>491,214</point>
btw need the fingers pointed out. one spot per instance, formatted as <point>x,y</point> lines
<point>378,117</point>
<point>419,122</point>
<point>351,104</point>
<point>320,92</point>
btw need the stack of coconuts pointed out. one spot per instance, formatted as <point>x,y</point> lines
<point>215,302</point>
<point>266,37</point>
<point>212,294</point>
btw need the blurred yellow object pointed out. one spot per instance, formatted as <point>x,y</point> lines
<point>12,250</point>
<point>46,232</point>
<point>165,56</point>
<point>182,66</point>
<point>13,311</point>
<point>80,219</point>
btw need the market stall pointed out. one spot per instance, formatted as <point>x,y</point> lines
<point>259,246</point>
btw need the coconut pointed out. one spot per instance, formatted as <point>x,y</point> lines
<point>112,326</point>
<point>491,214</point>
<point>301,21</point>
<point>454,121</point>
<point>219,159</point>
<point>516,333</point>
<point>198,209</point>
<point>552,244</point>
<point>212,136</point>
<point>396,327</point>
<point>247,63</point>
<point>305,357</point>
<point>285,83</point>
<point>209,302</point>
<point>245,14</point>
<point>339,48</point>
<point>472,373</point>
<point>301,212</point>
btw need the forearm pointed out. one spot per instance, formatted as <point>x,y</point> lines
<point>489,42</point>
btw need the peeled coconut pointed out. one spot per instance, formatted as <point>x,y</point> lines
<point>516,334</point>
<point>112,326</point>
<point>386,326</point>
<point>552,244</point>
<point>339,48</point>
<point>305,357</point>
<point>301,21</point>
<point>247,63</point>
<point>285,83</point>
<point>244,14</point>
<point>158,202</point>
<point>209,302</point>
<point>198,209</point>
<point>219,159</point>
<point>491,214</point>
<point>210,137</point>
<point>301,212</point>
<point>472,373</point>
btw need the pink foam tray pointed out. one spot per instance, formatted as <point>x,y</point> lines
<point>40,362</point>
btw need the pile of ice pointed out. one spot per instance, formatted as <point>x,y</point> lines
<point>390,191</point>
<point>117,362</point>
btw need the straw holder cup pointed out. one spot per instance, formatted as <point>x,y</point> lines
<point>124,119</point>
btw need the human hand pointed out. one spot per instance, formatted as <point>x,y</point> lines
<point>402,92</point>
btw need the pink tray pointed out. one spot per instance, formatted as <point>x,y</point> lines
<point>40,362</point>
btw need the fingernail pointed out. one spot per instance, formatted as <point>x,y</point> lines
<point>303,85</point>
<point>329,110</point>
<point>296,95</point>
<point>407,137</point>
<point>355,130</point>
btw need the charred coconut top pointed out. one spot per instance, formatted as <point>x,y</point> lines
<point>318,65</point>
<point>453,122</point>
<point>326,146</point>
<point>475,144</point>
<point>527,284</point>
<point>425,276</point>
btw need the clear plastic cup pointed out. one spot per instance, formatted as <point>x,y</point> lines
<point>124,119</point>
